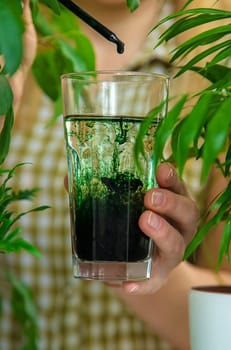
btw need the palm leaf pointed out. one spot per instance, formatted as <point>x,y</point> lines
<point>201,39</point>
<point>191,19</point>
<point>225,243</point>
<point>215,136</point>
<point>165,129</point>
<point>214,73</point>
<point>205,54</point>
<point>154,116</point>
<point>189,130</point>
<point>205,229</point>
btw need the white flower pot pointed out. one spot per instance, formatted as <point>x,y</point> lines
<point>210,318</point>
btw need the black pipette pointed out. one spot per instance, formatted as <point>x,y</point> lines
<point>93,23</point>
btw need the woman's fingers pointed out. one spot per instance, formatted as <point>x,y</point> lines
<point>170,243</point>
<point>170,220</point>
<point>166,177</point>
<point>178,210</point>
<point>169,250</point>
<point>173,201</point>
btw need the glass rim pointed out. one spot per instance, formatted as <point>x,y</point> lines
<point>105,73</point>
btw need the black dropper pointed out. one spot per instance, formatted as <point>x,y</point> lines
<point>96,25</point>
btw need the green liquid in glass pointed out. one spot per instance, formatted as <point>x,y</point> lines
<point>106,189</point>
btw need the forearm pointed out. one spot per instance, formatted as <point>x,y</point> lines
<point>17,81</point>
<point>166,311</point>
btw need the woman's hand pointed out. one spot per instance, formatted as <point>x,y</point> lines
<point>170,220</point>
<point>30,47</point>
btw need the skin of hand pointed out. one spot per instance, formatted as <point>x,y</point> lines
<point>170,220</point>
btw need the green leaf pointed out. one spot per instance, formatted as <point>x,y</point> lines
<point>10,240</point>
<point>45,72</point>
<point>18,244</point>
<point>199,237</point>
<point>73,54</point>
<point>11,32</point>
<point>42,25</point>
<point>12,235</point>
<point>153,117</point>
<point>6,95</point>
<point>190,129</point>
<point>225,197</point>
<point>4,227</point>
<point>201,39</point>
<point>222,84</point>
<point>213,73</point>
<point>225,243</point>
<point>84,49</point>
<point>133,4</point>
<point>5,242</point>
<point>55,25</point>
<point>65,23</point>
<point>189,19</point>
<point>206,54</point>
<point>215,136</point>
<point>205,229</point>
<point>6,134</point>
<point>27,194</point>
<point>165,129</point>
<point>228,160</point>
<point>25,312</point>
<point>24,295</point>
<point>10,172</point>
<point>40,208</point>
<point>222,55</point>
<point>69,56</point>
<point>34,7</point>
<point>53,4</point>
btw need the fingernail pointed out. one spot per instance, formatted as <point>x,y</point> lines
<point>157,198</point>
<point>153,220</point>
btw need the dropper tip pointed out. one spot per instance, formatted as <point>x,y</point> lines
<point>120,47</point>
<point>119,44</point>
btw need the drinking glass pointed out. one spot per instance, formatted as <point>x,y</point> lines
<point>104,112</point>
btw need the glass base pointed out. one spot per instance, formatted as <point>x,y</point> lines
<point>111,270</point>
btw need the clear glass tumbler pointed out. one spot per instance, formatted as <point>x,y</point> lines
<point>103,113</point>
